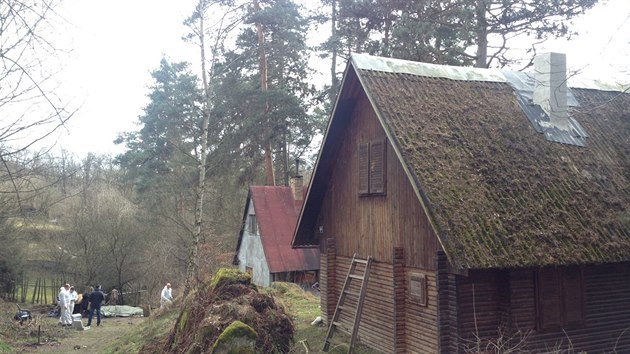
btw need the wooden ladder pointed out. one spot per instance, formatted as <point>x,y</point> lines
<point>360,297</point>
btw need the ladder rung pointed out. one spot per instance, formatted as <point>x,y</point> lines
<point>359,296</point>
<point>342,328</point>
<point>352,293</point>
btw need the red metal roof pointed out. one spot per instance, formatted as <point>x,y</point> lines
<point>277,214</point>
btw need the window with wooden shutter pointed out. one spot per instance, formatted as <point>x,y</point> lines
<point>377,167</point>
<point>372,167</point>
<point>418,289</point>
<point>364,166</point>
<point>560,298</point>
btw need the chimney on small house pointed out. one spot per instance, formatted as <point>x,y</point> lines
<point>550,88</point>
<point>297,182</point>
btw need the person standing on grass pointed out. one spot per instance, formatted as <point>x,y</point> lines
<point>65,317</point>
<point>167,296</point>
<point>85,305</point>
<point>73,299</point>
<point>96,299</point>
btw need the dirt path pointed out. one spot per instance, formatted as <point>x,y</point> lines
<point>89,341</point>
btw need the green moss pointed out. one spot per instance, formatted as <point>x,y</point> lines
<point>230,276</point>
<point>5,348</point>
<point>181,325</point>
<point>237,338</point>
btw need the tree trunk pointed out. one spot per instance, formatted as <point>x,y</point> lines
<point>192,267</point>
<point>262,66</point>
<point>482,34</point>
<point>334,82</point>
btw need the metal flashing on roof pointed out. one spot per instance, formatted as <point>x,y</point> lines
<point>398,66</point>
<point>596,84</point>
<point>523,85</point>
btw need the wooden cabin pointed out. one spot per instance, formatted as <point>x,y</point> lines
<point>264,242</point>
<point>495,205</point>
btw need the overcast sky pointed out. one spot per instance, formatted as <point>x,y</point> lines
<point>117,43</point>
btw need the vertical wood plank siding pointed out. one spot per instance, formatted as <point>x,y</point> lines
<point>373,225</point>
<point>607,307</point>
<point>376,225</point>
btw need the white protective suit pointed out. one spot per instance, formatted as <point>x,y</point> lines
<point>73,298</point>
<point>167,296</point>
<point>64,304</point>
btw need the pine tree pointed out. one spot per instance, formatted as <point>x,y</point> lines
<point>276,117</point>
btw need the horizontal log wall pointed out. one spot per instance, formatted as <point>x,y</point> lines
<point>421,321</point>
<point>607,311</point>
<point>377,324</point>
<point>481,308</point>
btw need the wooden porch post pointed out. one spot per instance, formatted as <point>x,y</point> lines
<point>398,277</point>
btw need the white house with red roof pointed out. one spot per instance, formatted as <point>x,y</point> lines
<point>264,244</point>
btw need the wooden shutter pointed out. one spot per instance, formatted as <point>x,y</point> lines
<point>573,287</point>
<point>377,167</point>
<point>418,289</point>
<point>364,165</point>
<point>549,298</point>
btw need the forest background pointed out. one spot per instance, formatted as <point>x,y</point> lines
<point>169,207</point>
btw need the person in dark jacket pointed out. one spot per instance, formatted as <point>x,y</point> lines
<point>96,299</point>
<point>85,304</point>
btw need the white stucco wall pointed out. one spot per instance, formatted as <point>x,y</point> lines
<point>251,253</point>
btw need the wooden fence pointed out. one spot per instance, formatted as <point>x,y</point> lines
<point>38,291</point>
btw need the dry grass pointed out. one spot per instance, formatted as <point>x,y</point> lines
<point>123,335</point>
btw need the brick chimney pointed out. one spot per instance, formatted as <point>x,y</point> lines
<point>297,183</point>
<point>550,88</point>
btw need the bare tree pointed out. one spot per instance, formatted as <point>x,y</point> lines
<point>29,109</point>
<point>27,100</point>
<point>215,34</point>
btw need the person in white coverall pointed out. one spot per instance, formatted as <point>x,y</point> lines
<point>167,296</point>
<point>64,303</point>
<point>73,298</point>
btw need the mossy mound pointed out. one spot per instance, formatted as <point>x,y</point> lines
<point>230,297</point>
<point>230,276</point>
<point>237,338</point>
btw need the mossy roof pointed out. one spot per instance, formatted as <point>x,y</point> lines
<point>497,192</point>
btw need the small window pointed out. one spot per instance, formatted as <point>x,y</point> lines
<point>560,298</point>
<point>253,225</point>
<point>418,289</point>
<point>372,167</point>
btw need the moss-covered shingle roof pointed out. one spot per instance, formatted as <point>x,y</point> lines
<point>498,193</point>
